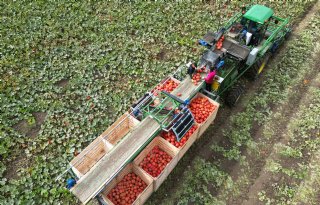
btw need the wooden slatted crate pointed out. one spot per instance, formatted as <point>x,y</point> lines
<point>83,162</point>
<point>168,148</point>
<point>212,116</point>
<point>142,197</point>
<point>120,128</point>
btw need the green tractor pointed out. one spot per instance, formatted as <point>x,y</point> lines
<point>242,47</point>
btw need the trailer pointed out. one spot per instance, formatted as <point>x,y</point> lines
<point>169,121</point>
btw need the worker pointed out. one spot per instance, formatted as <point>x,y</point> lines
<point>156,102</point>
<point>220,64</point>
<point>254,30</point>
<point>191,69</point>
<point>137,114</point>
<point>213,71</point>
<point>243,22</point>
<point>70,183</point>
<point>209,79</point>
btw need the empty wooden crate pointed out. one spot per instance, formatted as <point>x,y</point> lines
<point>118,130</point>
<point>83,162</point>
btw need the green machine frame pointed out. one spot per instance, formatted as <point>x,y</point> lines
<point>237,70</point>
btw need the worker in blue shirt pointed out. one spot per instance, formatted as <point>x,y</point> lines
<point>137,114</point>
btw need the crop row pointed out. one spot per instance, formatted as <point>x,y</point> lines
<point>82,64</point>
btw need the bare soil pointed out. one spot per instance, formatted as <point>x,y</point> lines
<point>62,83</point>
<point>266,179</point>
<point>31,130</point>
<point>21,161</point>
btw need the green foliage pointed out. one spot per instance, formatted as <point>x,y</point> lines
<point>284,191</point>
<point>54,54</point>
<point>273,166</point>
<point>231,154</point>
<point>290,152</point>
<point>195,187</point>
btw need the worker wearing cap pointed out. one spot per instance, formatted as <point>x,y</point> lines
<point>191,69</point>
<point>137,114</point>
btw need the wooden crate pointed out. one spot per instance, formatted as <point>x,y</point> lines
<point>170,77</point>
<point>212,116</point>
<point>83,162</point>
<point>189,142</point>
<point>168,148</point>
<point>120,128</point>
<point>142,197</point>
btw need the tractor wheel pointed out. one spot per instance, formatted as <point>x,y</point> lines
<point>256,69</point>
<point>288,33</point>
<point>233,95</point>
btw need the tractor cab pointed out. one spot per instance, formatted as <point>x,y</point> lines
<point>255,23</point>
<point>248,29</point>
<point>252,27</point>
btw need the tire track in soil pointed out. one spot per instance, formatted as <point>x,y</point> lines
<point>288,111</point>
<point>309,157</point>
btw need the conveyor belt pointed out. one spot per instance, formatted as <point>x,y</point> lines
<point>187,88</point>
<point>90,184</point>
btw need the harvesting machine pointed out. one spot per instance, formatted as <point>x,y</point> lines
<point>250,38</point>
<point>242,46</point>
